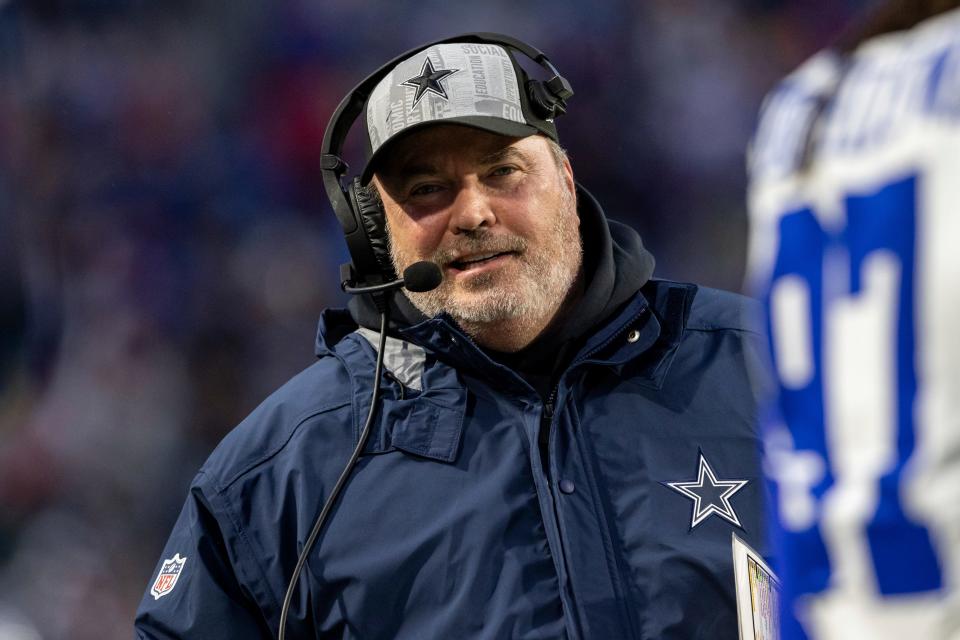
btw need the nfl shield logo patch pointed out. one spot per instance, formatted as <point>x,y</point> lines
<point>169,574</point>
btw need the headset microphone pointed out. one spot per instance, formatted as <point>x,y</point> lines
<point>419,277</point>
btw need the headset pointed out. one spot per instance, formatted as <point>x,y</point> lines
<point>359,209</point>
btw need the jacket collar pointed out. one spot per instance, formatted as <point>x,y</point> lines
<point>644,336</point>
<point>657,313</point>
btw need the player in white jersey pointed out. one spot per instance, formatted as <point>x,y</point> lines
<point>855,247</point>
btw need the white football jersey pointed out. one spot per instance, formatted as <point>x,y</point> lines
<point>855,249</point>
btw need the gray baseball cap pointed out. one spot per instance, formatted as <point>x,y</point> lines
<point>475,84</point>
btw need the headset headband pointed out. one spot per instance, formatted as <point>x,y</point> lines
<point>554,92</point>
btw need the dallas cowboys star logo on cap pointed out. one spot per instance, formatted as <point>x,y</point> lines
<point>710,496</point>
<point>429,81</point>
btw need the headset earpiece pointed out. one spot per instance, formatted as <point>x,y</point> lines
<point>368,208</point>
<point>542,99</point>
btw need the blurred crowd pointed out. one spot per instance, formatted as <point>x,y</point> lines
<point>166,248</point>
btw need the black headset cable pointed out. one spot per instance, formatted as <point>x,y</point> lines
<point>341,481</point>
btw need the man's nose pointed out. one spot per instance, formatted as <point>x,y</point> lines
<point>471,209</point>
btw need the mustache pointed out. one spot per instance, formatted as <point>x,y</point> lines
<point>479,242</point>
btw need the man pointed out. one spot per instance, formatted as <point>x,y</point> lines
<point>854,197</point>
<point>562,449</point>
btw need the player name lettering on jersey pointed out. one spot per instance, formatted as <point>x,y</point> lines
<point>884,90</point>
<point>880,95</point>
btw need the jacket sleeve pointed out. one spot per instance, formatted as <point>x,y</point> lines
<point>196,590</point>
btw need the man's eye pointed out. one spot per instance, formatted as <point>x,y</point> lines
<point>424,189</point>
<point>503,171</point>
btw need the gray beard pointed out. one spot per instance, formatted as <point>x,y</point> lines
<point>539,290</point>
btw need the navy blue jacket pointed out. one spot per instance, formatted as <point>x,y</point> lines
<point>450,527</point>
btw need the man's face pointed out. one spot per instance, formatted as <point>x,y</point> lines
<point>497,214</point>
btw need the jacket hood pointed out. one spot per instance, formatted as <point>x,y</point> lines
<point>615,266</point>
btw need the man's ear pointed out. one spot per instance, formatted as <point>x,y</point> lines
<point>566,174</point>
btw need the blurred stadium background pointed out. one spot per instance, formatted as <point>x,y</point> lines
<point>166,248</point>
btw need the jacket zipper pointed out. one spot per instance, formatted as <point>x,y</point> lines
<point>543,437</point>
<point>543,440</point>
